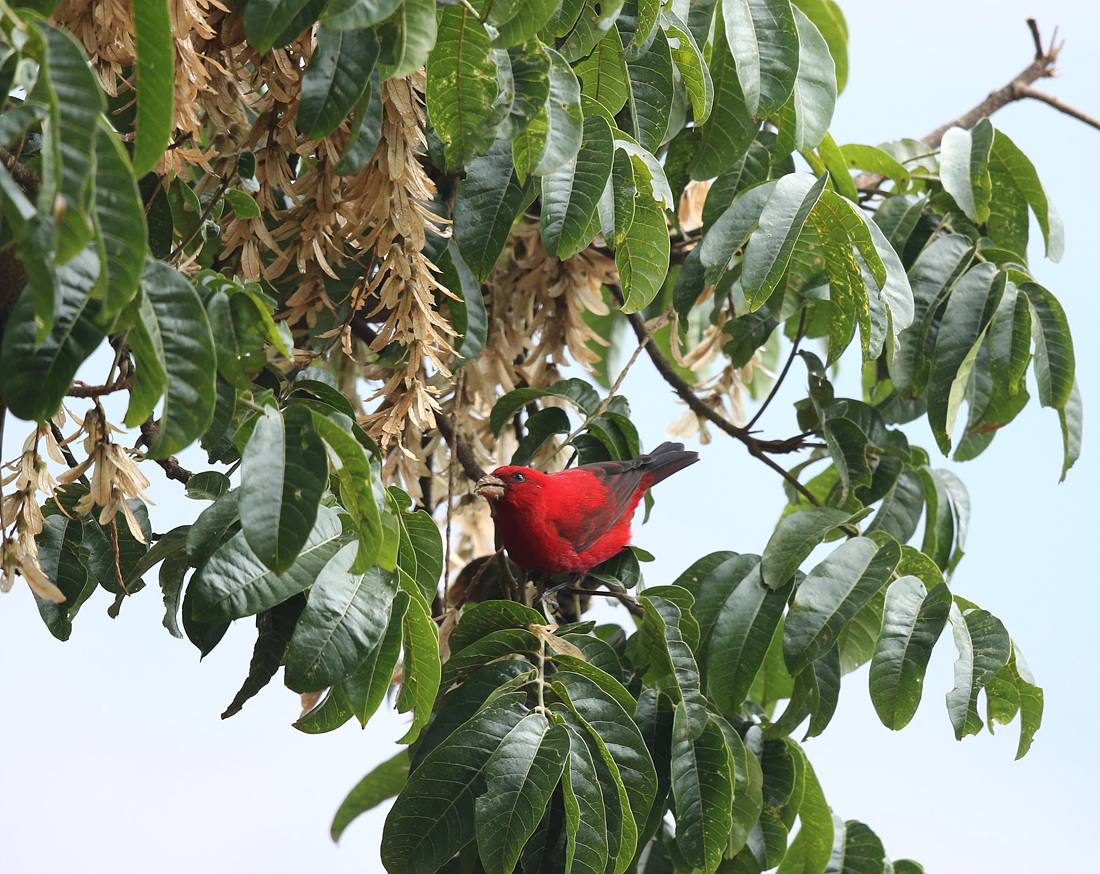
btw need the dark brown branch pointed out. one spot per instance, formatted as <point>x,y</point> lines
<point>1027,91</point>
<point>757,448</point>
<point>459,449</point>
<point>27,179</point>
<point>1041,67</point>
<point>171,465</point>
<point>81,390</point>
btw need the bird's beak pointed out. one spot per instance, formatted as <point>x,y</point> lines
<point>490,487</point>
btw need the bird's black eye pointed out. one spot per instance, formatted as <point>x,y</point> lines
<point>518,478</point>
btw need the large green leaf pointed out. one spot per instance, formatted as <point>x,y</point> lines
<point>814,93</point>
<point>517,22</point>
<point>352,14</point>
<point>694,72</point>
<point>964,168</point>
<point>284,472</point>
<point>586,811</point>
<point>235,583</point>
<point>828,18</point>
<point>338,74</point>
<point>763,37</point>
<point>119,220</point>
<point>520,776</point>
<point>682,669</point>
<point>794,539</point>
<point>268,23</point>
<point>381,784</point>
<point>570,194</point>
<point>643,257</point>
<point>421,670</point>
<point>275,627</point>
<point>576,391</point>
<point>345,618</point>
<point>702,788</point>
<point>485,209</point>
<point>34,377</point>
<point>984,648</point>
<point>433,816</point>
<point>743,630</point>
<point>179,336</point>
<point>603,74</point>
<point>1017,166</point>
<point>1012,690</point>
<point>1054,359</point>
<point>155,83</point>
<point>960,329</point>
<point>771,245</point>
<point>911,624</point>
<point>562,119</point>
<point>729,130</point>
<point>462,86</point>
<point>651,85</point>
<point>407,38</point>
<point>832,594</point>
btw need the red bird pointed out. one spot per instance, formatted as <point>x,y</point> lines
<point>570,521</point>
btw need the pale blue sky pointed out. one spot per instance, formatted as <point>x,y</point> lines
<point>113,757</point>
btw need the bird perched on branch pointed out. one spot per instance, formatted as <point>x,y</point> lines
<point>570,521</point>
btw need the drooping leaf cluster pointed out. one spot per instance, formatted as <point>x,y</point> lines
<point>539,741</point>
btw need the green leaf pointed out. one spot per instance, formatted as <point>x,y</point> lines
<point>462,87</point>
<point>562,121</point>
<point>856,850</point>
<point>155,83</point>
<point>683,670</point>
<point>964,168</point>
<point>421,671</point>
<point>354,14</point>
<point>984,648</point>
<point>273,22</point>
<point>814,93</point>
<point>743,630</point>
<point>729,131</point>
<point>771,245</point>
<point>275,628</point>
<point>234,583</point>
<point>34,377</point>
<point>518,22</point>
<point>643,257</point>
<point>59,547</point>
<point>1070,418</point>
<point>284,473</point>
<point>702,788</point>
<point>421,551</point>
<point>795,538</point>
<point>357,488</point>
<point>407,38</point>
<point>603,74</point>
<point>366,129</point>
<point>718,251</point>
<point>120,222</point>
<point>764,40</point>
<point>179,336</point>
<point>960,329</point>
<point>576,391</point>
<point>931,279</point>
<point>485,209</point>
<point>520,776</point>
<point>381,784</point>
<point>619,734</point>
<point>433,816</point>
<point>874,160</point>
<point>338,74</point>
<point>68,148</point>
<point>828,18</point>
<point>570,193</point>
<point>693,69</point>
<point>595,18</point>
<point>1012,690</point>
<point>832,594</point>
<point>911,624</point>
<point>1054,359</point>
<point>1022,173</point>
<point>586,811</point>
<point>651,85</point>
<point>344,619</point>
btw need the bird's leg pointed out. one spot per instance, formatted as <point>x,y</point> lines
<point>569,584</point>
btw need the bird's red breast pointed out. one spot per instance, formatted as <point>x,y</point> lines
<point>572,520</point>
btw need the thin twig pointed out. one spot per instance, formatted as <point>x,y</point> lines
<point>782,373</point>
<point>66,453</point>
<point>1034,93</point>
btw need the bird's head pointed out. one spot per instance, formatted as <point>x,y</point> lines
<point>511,485</point>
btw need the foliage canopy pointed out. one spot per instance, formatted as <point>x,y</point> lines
<point>272,209</point>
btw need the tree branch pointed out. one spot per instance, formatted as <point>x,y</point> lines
<point>757,448</point>
<point>1027,91</point>
<point>170,465</point>
<point>1041,67</point>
